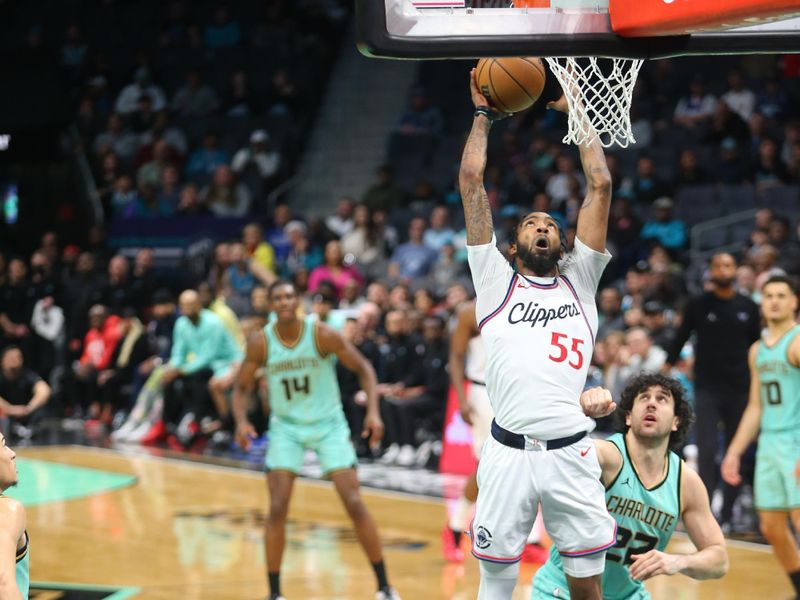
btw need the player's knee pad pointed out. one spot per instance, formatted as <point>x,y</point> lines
<point>584,566</point>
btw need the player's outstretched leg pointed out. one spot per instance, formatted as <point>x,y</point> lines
<point>346,483</point>
<point>280,485</point>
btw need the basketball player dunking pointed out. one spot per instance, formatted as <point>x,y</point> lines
<point>14,557</point>
<point>774,409</point>
<point>538,321</point>
<point>467,362</point>
<point>300,355</point>
<point>647,492</point>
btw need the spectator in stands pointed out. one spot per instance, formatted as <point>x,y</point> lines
<point>163,129</point>
<point>259,303</point>
<point>637,285</point>
<point>363,241</point>
<point>644,356</point>
<point>610,312</point>
<point>144,280</point>
<point>276,234</point>
<point>772,101</point>
<point>143,119</point>
<point>204,161</point>
<point>768,169</point>
<point>128,99</point>
<point>194,98</point>
<point>116,292</point>
<point>725,324</point>
<point>99,344</point>
<point>257,164</point>
<point>73,52</point>
<point>745,281</point>
<point>160,327</point>
<point>124,196</point>
<point>302,256</point>
<point>169,190</point>
<point>189,204</point>
<point>240,279</point>
<point>15,307</point>
<point>257,248</point>
<point>226,197</point>
<point>446,269</point>
<point>739,99</point>
<point>384,229</point>
<point>378,294</point>
<point>689,172</point>
<point>179,31</point>
<point>793,163</point>
<point>420,118</point>
<point>334,270</point>
<point>400,297</point>
<point>647,185</point>
<point>731,168</point>
<point>665,228</point>
<point>23,394</point>
<point>523,184</point>
<point>558,185</point>
<point>201,349</point>
<point>324,306</point>
<point>726,123</point>
<point>116,139</point>
<point>655,321</point>
<point>623,231</point>
<point>413,259</point>
<point>239,100</point>
<point>694,110</point>
<point>788,248</point>
<point>120,381</point>
<point>340,223</point>
<point>282,96</point>
<point>384,194</point>
<point>152,172</point>
<point>422,394</point>
<point>223,31</point>
<point>439,233</point>
<point>148,205</point>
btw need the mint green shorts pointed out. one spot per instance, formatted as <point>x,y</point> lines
<point>777,479</point>
<point>549,587</point>
<point>329,439</point>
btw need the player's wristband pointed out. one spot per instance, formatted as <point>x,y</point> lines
<point>489,113</point>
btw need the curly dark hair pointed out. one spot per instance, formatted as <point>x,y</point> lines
<point>683,410</point>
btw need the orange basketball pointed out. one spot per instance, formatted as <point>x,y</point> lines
<point>511,84</point>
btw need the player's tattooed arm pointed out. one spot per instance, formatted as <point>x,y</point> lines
<point>477,213</point>
<point>593,216</point>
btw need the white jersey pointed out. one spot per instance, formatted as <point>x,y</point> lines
<point>475,362</point>
<point>539,335</point>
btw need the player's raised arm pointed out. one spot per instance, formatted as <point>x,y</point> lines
<point>332,342</point>
<point>711,559</point>
<point>477,213</point>
<point>254,358</point>
<point>593,216</point>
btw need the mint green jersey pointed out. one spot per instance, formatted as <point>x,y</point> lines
<point>646,520</point>
<point>780,384</point>
<point>303,387</point>
<point>23,568</point>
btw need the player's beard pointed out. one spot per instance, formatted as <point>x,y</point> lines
<point>542,264</point>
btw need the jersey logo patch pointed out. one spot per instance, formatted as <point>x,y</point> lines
<point>585,452</point>
<point>483,538</point>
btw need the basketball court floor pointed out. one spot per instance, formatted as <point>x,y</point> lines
<point>115,524</point>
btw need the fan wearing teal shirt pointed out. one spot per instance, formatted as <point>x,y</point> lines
<point>647,492</point>
<point>14,542</point>
<point>773,415</point>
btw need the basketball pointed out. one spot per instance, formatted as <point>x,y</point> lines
<point>511,84</point>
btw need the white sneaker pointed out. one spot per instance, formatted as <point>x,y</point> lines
<point>121,434</point>
<point>423,454</point>
<point>406,456</point>
<point>139,431</point>
<point>390,456</point>
<point>387,594</point>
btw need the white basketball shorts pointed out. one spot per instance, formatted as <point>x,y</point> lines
<point>565,481</point>
<point>482,416</point>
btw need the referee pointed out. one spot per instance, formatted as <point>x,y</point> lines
<point>725,323</point>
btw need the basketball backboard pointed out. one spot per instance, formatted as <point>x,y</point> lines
<point>417,29</point>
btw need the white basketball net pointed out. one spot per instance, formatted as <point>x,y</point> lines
<point>599,98</point>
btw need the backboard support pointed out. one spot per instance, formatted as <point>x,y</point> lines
<point>398,29</point>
